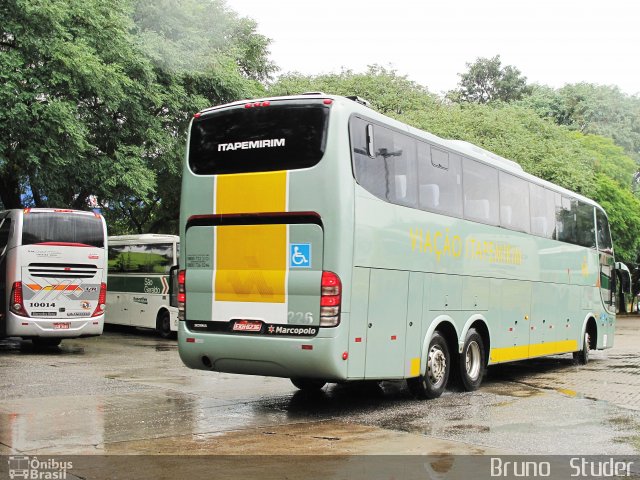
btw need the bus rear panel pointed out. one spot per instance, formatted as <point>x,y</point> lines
<point>263,293</point>
<point>55,275</point>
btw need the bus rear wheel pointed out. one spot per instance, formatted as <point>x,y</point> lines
<point>433,381</point>
<point>472,360</point>
<point>308,384</point>
<point>43,342</point>
<point>581,357</point>
<point>163,325</point>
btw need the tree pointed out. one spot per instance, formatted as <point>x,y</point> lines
<point>486,80</point>
<point>203,54</point>
<point>388,92</point>
<point>74,102</point>
<point>596,109</point>
<point>198,35</point>
<point>87,108</point>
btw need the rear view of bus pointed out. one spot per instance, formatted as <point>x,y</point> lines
<point>52,270</point>
<point>263,214</point>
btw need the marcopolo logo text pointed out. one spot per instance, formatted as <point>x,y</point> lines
<point>274,142</point>
<point>302,331</point>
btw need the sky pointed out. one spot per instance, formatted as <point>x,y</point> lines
<point>552,42</point>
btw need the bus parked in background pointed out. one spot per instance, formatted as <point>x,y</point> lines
<point>325,242</point>
<point>52,274</point>
<point>140,291</point>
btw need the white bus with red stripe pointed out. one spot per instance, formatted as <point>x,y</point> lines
<point>52,274</point>
<point>140,271</point>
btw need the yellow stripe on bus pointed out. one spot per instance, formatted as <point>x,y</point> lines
<point>414,369</point>
<point>521,352</point>
<point>251,193</point>
<point>251,260</point>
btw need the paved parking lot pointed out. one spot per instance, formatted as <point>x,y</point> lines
<point>128,392</point>
<point>613,375</point>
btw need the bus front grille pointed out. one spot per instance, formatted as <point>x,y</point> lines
<point>62,270</point>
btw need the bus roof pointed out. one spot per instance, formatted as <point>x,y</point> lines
<point>143,238</point>
<point>461,147</point>
<point>49,210</point>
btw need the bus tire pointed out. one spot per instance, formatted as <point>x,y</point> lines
<point>432,383</point>
<point>308,384</point>
<point>45,342</point>
<point>581,357</point>
<point>471,361</point>
<point>163,324</point>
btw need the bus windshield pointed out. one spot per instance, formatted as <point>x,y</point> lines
<point>266,137</point>
<point>57,227</point>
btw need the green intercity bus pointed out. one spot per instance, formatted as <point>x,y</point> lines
<point>324,242</point>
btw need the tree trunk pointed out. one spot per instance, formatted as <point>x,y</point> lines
<point>10,192</point>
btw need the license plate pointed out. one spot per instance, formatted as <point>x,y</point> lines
<point>61,325</point>
<point>247,326</point>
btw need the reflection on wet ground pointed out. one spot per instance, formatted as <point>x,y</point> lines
<point>127,392</point>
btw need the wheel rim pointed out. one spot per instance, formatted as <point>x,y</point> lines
<point>436,366</point>
<point>472,360</point>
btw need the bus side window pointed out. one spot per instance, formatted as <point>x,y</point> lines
<point>439,180</point>
<point>604,236</point>
<point>481,199</point>
<point>402,165</point>
<point>384,162</point>
<point>514,206</point>
<point>566,220</point>
<point>585,228</point>
<point>118,258</point>
<point>368,170</point>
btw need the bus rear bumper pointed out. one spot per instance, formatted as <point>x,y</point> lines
<point>27,327</point>
<point>288,357</point>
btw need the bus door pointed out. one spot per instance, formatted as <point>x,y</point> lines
<point>255,276</point>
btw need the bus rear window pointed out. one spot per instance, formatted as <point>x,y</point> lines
<point>44,227</point>
<point>283,136</point>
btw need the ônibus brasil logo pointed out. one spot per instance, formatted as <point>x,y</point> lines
<point>274,142</point>
<point>24,466</point>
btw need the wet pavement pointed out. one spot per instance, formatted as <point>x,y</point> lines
<point>127,392</point>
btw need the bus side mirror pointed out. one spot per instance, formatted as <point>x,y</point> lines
<point>624,275</point>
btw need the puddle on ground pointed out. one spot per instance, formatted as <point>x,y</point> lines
<point>462,428</point>
<point>166,348</point>
<point>513,390</point>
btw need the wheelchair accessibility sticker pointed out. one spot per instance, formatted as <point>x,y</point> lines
<point>300,255</point>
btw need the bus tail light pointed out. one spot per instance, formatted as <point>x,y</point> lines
<point>17,300</point>
<point>330,299</point>
<point>182,294</point>
<point>102,300</point>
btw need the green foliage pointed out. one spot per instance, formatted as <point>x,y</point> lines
<point>486,81</point>
<point>596,109</point>
<point>388,92</point>
<point>196,35</point>
<point>608,158</point>
<point>93,104</point>
<point>74,97</point>
<point>623,210</point>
